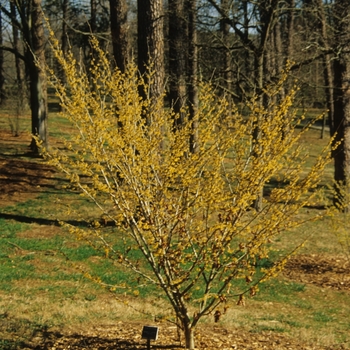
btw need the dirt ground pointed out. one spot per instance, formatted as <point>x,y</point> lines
<point>22,179</point>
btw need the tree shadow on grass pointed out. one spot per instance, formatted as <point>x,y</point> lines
<point>42,221</point>
<point>29,175</point>
<point>50,222</point>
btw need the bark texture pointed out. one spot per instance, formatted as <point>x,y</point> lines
<point>151,44</point>
<point>192,74</point>
<point>35,57</point>
<point>178,55</point>
<point>2,78</point>
<point>227,64</point>
<point>342,103</point>
<point>119,31</point>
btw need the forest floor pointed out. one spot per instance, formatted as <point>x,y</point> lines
<point>22,179</point>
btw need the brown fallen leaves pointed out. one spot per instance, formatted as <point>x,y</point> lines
<point>127,335</point>
<point>323,271</point>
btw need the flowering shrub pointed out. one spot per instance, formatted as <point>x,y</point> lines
<point>189,214</point>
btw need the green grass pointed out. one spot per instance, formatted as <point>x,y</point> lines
<point>277,290</point>
<point>10,228</point>
<point>291,306</point>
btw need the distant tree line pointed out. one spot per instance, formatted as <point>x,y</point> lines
<point>241,46</point>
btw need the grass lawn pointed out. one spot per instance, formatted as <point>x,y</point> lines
<point>43,269</point>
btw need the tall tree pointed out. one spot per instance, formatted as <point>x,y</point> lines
<point>64,38</point>
<point>93,16</point>
<point>227,64</point>
<point>290,28</point>
<point>192,74</point>
<point>30,23</point>
<point>35,56</point>
<point>150,27</point>
<point>326,62</point>
<point>64,34</point>
<point>278,47</point>
<point>20,75</point>
<point>265,11</point>
<point>2,77</point>
<point>341,126</point>
<point>178,57</point>
<point>119,32</point>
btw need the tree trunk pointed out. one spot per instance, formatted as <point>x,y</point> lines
<point>36,64</point>
<point>64,38</point>
<point>21,88</point>
<point>286,48</point>
<point>246,53</point>
<point>2,78</point>
<point>259,71</point>
<point>64,42</point>
<point>144,26</point>
<point>192,74</point>
<point>267,13</point>
<point>260,62</point>
<point>151,47</point>
<point>187,326</point>
<point>279,60</point>
<point>327,67</point>
<point>225,30</point>
<point>342,105</point>
<point>178,48</point>
<point>93,13</point>
<point>119,32</point>
<point>189,337</point>
<point>290,29</point>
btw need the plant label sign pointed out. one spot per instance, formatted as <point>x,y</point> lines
<point>150,333</point>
